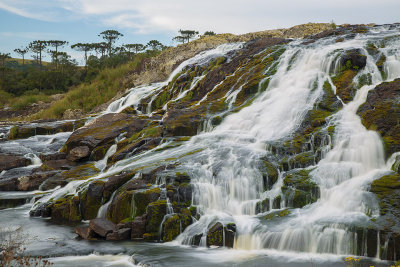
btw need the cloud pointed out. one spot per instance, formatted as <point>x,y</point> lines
<point>236,16</point>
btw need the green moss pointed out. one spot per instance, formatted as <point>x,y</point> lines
<point>155,215</point>
<point>344,84</point>
<point>171,228</point>
<point>284,213</point>
<point>66,209</point>
<point>13,133</point>
<point>81,172</point>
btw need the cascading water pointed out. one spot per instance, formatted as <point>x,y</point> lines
<point>228,184</point>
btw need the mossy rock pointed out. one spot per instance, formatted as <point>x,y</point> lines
<point>345,87</point>
<point>66,209</point>
<point>271,174</point>
<point>81,172</point>
<point>99,152</point>
<point>155,215</point>
<point>121,207</point>
<point>91,199</point>
<point>219,233</point>
<point>387,189</point>
<point>299,189</point>
<point>381,113</point>
<point>262,206</point>
<point>141,199</point>
<point>171,228</point>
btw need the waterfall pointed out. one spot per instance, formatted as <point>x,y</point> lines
<point>227,183</point>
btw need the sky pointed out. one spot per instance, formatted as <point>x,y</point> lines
<point>23,21</point>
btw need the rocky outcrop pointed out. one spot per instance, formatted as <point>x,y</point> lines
<point>99,132</point>
<point>45,128</point>
<point>381,113</point>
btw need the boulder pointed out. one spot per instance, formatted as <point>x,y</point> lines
<point>10,162</point>
<point>86,232</point>
<point>138,226</point>
<point>155,215</point>
<point>102,227</point>
<point>78,153</point>
<point>121,234</point>
<point>216,236</point>
<point>91,199</point>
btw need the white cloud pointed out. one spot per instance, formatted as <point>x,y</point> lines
<point>236,16</point>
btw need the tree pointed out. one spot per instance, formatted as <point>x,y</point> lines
<point>134,47</point>
<point>155,45</point>
<point>110,36</point>
<point>83,47</point>
<point>38,47</point>
<point>185,36</point>
<point>22,52</point>
<point>209,33</point>
<point>3,57</point>
<point>56,44</point>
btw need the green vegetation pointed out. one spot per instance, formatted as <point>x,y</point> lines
<point>23,81</point>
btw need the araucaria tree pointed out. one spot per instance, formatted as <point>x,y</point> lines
<point>37,47</point>
<point>186,36</point>
<point>56,44</point>
<point>22,52</point>
<point>134,48</point>
<point>83,47</point>
<point>154,45</point>
<point>110,36</point>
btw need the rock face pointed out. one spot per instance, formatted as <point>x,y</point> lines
<point>25,131</point>
<point>381,113</point>
<point>10,161</point>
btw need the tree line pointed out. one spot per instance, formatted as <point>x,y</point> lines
<point>62,71</point>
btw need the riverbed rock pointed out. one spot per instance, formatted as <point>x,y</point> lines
<point>91,199</point>
<point>43,128</point>
<point>102,227</point>
<point>353,58</point>
<point>10,161</point>
<point>155,215</point>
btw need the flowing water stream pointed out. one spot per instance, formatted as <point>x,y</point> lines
<point>227,179</point>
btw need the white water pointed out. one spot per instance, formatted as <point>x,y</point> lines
<point>228,183</point>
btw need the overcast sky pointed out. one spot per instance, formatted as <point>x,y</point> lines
<point>22,21</point>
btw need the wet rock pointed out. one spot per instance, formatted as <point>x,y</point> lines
<point>139,226</point>
<point>86,232</point>
<point>215,235</point>
<point>177,122</point>
<point>51,157</point>
<point>91,200</point>
<point>102,131</point>
<point>8,162</point>
<point>155,215</point>
<point>66,209</point>
<point>25,131</point>
<point>136,147</point>
<point>78,153</point>
<point>59,164</point>
<point>121,234</point>
<point>33,182</point>
<point>114,182</point>
<point>356,59</point>
<point>299,189</point>
<point>102,227</point>
<point>176,224</point>
<point>381,112</point>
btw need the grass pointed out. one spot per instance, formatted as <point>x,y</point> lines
<point>87,96</point>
